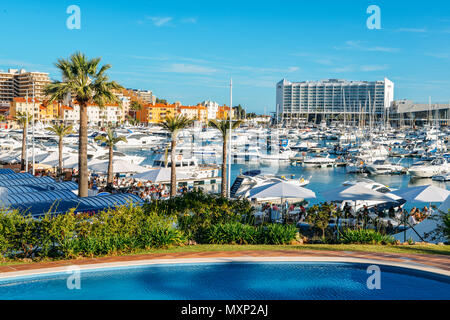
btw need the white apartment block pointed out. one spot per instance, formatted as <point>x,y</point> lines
<point>96,115</point>
<point>212,109</point>
<point>297,100</point>
<point>17,83</point>
<point>146,95</point>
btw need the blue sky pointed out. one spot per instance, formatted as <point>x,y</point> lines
<point>188,50</point>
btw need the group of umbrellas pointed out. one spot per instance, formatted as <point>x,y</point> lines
<point>356,192</point>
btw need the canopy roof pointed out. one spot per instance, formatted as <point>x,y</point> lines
<point>427,193</point>
<point>445,206</point>
<point>26,181</point>
<point>88,204</point>
<point>35,197</point>
<point>119,166</point>
<point>6,171</point>
<point>281,189</point>
<point>357,192</point>
<point>67,185</point>
<point>158,175</point>
<point>13,176</point>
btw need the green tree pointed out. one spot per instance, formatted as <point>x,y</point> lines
<point>135,107</point>
<point>174,125</point>
<point>88,84</point>
<point>110,140</point>
<point>224,128</point>
<point>61,130</point>
<point>23,119</point>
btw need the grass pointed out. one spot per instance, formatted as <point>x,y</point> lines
<point>407,249</point>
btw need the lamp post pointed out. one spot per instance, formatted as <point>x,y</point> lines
<point>229,139</point>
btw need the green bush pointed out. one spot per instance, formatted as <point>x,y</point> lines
<point>276,234</point>
<point>122,229</point>
<point>231,233</point>
<point>239,233</point>
<point>365,236</point>
<point>446,225</point>
<point>196,211</point>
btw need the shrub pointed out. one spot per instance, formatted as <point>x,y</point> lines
<point>238,233</point>
<point>231,233</point>
<point>276,234</point>
<point>365,236</point>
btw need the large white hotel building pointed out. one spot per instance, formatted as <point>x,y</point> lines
<point>333,98</point>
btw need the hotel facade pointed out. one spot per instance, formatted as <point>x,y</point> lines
<point>333,99</point>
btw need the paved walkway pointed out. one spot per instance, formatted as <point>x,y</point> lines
<point>438,262</point>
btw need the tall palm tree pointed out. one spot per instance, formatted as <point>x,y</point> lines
<point>87,83</point>
<point>224,127</point>
<point>110,140</point>
<point>23,118</point>
<point>61,130</point>
<point>174,125</point>
<point>135,106</point>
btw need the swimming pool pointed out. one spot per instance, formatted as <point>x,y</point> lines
<point>233,280</point>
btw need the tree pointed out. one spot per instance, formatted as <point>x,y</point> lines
<point>61,130</point>
<point>163,101</point>
<point>135,106</point>
<point>88,84</point>
<point>224,127</point>
<point>23,118</point>
<point>239,112</point>
<point>174,125</point>
<point>111,141</point>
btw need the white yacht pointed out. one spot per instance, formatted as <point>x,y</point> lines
<point>254,178</point>
<point>319,161</point>
<point>384,167</point>
<point>427,170</point>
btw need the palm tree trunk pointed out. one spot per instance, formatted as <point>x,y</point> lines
<point>60,149</point>
<point>173,172</point>
<point>24,139</point>
<point>82,153</point>
<point>110,167</point>
<point>224,189</point>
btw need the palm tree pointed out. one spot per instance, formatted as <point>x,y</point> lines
<point>135,106</point>
<point>224,127</point>
<point>110,140</point>
<point>23,118</point>
<point>61,130</point>
<point>87,84</point>
<point>174,125</point>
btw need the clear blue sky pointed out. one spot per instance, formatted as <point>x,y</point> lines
<point>188,50</point>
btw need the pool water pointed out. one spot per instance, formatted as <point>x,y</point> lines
<point>233,280</point>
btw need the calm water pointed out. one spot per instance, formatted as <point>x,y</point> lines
<point>288,281</point>
<point>320,178</point>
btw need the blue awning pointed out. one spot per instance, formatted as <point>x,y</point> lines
<point>6,171</point>
<point>13,176</point>
<point>26,182</point>
<point>35,197</point>
<point>67,185</point>
<point>82,205</point>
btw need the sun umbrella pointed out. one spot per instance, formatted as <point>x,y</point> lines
<point>445,206</point>
<point>158,175</point>
<point>428,193</point>
<point>357,192</point>
<point>281,189</point>
<point>119,166</point>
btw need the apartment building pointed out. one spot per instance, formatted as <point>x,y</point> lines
<point>212,108</point>
<point>17,83</point>
<point>333,97</point>
<point>112,114</point>
<point>146,95</point>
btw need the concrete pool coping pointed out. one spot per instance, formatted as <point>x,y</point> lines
<point>437,264</point>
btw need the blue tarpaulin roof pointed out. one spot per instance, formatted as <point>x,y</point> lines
<point>68,185</point>
<point>13,176</point>
<point>88,204</point>
<point>6,171</point>
<point>26,182</point>
<point>35,197</point>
